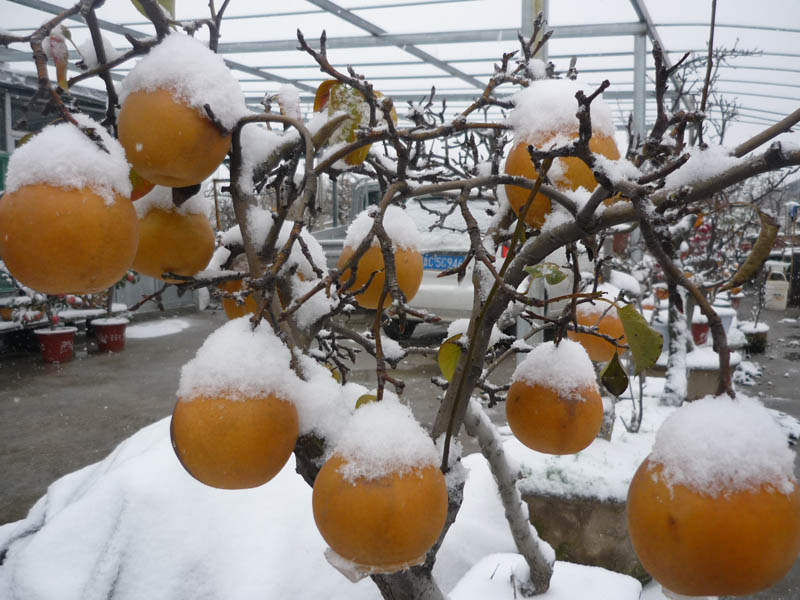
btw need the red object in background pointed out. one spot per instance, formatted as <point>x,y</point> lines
<point>620,242</point>
<point>700,333</point>
<point>57,344</point>
<point>504,251</point>
<point>110,334</point>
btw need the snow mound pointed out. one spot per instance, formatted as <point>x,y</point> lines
<point>565,368</point>
<point>382,438</point>
<point>548,106</point>
<point>192,73</point>
<point>137,525</point>
<point>161,198</point>
<point>63,156</point>
<point>502,577</point>
<point>717,444</point>
<point>239,362</point>
<point>397,223</point>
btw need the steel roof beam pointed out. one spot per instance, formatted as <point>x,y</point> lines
<point>436,37</point>
<point>376,31</point>
<point>54,9</point>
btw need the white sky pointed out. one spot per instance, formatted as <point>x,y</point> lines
<point>765,86</point>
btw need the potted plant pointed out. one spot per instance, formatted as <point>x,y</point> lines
<point>109,330</point>
<point>56,342</point>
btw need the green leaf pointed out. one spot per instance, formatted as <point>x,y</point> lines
<point>613,377</point>
<point>449,353</point>
<point>167,5</point>
<point>550,271</point>
<point>365,399</point>
<point>644,341</point>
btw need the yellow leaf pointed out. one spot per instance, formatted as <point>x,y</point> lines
<point>449,353</point>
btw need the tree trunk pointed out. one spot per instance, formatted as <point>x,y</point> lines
<point>536,553</point>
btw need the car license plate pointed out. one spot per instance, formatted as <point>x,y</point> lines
<point>441,262</point>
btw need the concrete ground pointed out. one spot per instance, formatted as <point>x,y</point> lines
<point>55,419</point>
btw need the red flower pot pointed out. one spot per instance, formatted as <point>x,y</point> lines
<point>700,333</point>
<point>57,344</point>
<point>110,334</point>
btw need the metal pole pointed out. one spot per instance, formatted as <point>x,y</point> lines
<point>335,199</point>
<point>8,122</point>
<point>531,8</point>
<point>639,84</point>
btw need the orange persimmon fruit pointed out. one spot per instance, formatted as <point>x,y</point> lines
<point>408,265</point>
<point>168,142</point>
<point>732,543</point>
<point>387,523</point>
<point>553,422</point>
<point>575,173</point>
<point>233,308</point>
<point>170,242</point>
<point>232,442</point>
<point>599,349</point>
<point>66,241</point>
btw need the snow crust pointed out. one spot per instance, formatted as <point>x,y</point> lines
<point>63,156</point>
<point>626,282</point>
<point>501,577</point>
<point>398,225</point>
<point>192,73</point>
<point>462,325</point>
<point>324,407</point>
<point>382,438</point>
<point>160,197</point>
<point>717,445</point>
<point>239,362</point>
<point>86,50</point>
<point>548,106</point>
<point>313,309</point>
<point>702,164</point>
<point>565,368</point>
<point>289,101</point>
<point>258,144</point>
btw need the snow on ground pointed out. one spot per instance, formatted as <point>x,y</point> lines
<point>603,470</point>
<point>156,328</point>
<point>136,525</point>
<point>501,575</point>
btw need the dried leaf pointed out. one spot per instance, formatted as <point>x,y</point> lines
<point>449,353</point>
<point>613,377</point>
<point>760,252</point>
<point>644,341</point>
